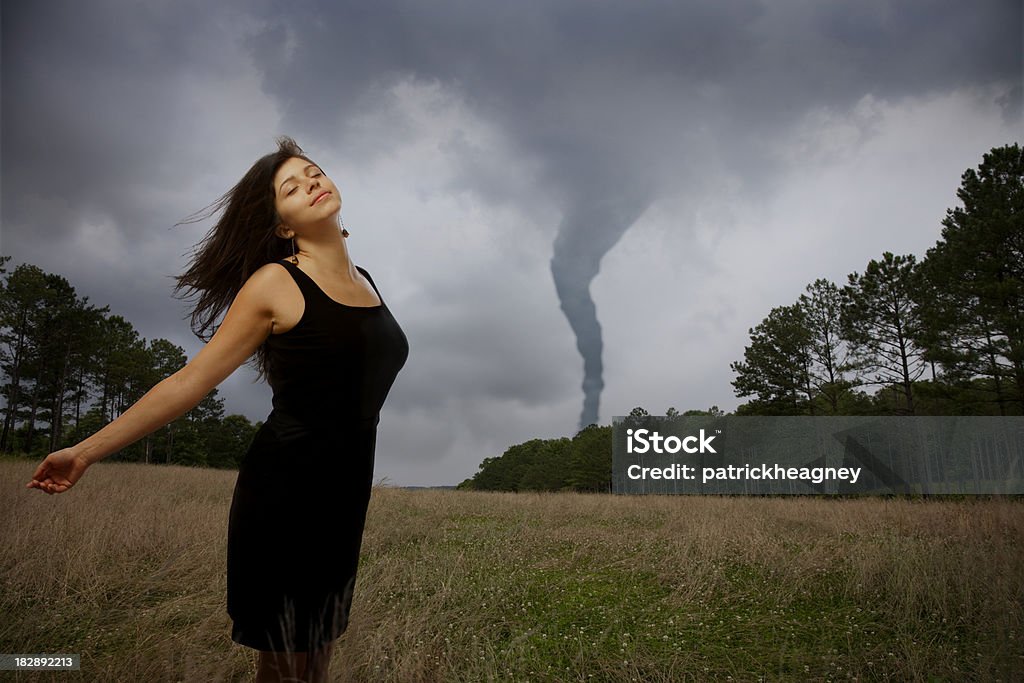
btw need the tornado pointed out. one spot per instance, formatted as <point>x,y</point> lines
<point>589,229</point>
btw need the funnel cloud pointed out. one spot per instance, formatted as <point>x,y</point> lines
<point>588,231</point>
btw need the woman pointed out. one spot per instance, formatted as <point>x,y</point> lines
<point>330,348</point>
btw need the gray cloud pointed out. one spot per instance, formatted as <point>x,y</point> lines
<point>120,119</point>
<point>605,95</point>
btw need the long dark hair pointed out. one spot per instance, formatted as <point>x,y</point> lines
<point>241,242</point>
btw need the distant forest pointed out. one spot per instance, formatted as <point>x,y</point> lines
<point>69,368</point>
<point>940,336</point>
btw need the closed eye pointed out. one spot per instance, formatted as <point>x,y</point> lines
<point>315,175</point>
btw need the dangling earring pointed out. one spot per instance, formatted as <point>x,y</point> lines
<point>295,259</point>
<point>344,232</point>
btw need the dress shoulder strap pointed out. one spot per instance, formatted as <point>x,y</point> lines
<point>301,279</point>
<point>310,287</point>
<point>372,283</point>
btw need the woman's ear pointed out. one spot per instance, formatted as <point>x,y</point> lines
<point>283,232</point>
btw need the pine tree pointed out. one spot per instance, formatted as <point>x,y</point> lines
<point>776,366</point>
<point>972,282</point>
<point>881,322</point>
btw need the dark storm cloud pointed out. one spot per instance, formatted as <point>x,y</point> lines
<point>104,146</point>
<point>91,97</point>
<point>622,102</point>
<point>579,83</point>
<point>613,104</point>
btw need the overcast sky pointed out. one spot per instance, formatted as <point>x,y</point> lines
<point>691,165</point>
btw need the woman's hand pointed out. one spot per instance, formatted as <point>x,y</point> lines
<point>59,471</point>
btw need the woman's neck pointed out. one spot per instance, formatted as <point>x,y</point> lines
<point>328,252</point>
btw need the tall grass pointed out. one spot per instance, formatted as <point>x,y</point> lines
<point>128,570</point>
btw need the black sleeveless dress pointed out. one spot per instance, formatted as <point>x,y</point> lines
<point>300,500</point>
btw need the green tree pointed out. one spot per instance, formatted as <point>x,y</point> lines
<point>195,432</point>
<point>23,291</point>
<point>548,468</point>
<point>115,365</point>
<point>45,373</point>
<point>713,411</point>
<point>829,352</point>
<point>972,283</point>
<point>90,422</point>
<point>775,367</point>
<point>590,460</point>
<point>69,328</point>
<point>230,440</point>
<point>165,359</point>
<point>881,322</point>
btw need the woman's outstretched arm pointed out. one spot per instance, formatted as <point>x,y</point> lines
<point>246,325</point>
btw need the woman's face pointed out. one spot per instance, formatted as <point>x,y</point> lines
<point>303,194</point>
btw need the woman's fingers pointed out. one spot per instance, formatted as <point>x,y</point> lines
<point>58,472</point>
<point>43,483</point>
<point>41,471</point>
<point>39,476</point>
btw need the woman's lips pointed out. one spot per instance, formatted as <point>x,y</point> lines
<point>317,200</point>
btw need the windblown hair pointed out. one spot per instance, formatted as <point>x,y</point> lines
<point>240,243</point>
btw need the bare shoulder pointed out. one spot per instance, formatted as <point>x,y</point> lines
<point>272,271</point>
<point>261,293</point>
<point>272,289</point>
<point>266,281</point>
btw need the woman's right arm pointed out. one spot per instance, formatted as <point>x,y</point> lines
<point>246,325</point>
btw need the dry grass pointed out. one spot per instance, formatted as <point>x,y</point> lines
<point>127,569</point>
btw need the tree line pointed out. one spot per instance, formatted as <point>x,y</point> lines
<point>940,336</point>
<point>68,368</point>
<point>582,463</point>
<point>943,336</point>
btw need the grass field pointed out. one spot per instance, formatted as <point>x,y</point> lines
<point>128,570</point>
